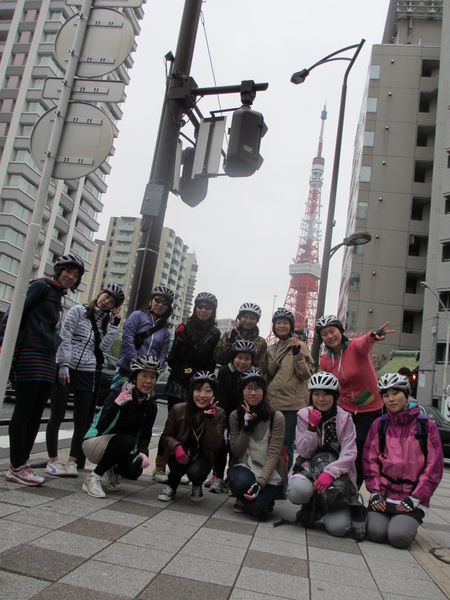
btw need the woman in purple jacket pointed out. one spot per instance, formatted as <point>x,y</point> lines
<point>403,464</point>
<point>324,427</point>
<point>145,332</point>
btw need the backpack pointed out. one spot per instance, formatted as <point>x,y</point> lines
<point>422,432</point>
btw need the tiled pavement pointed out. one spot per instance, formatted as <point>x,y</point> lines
<point>58,543</point>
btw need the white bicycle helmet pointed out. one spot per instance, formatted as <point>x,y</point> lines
<point>206,297</point>
<point>250,307</point>
<point>323,381</point>
<point>328,321</point>
<point>283,313</point>
<point>394,381</point>
<point>253,375</point>
<point>243,346</point>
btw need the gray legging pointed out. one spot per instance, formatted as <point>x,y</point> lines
<point>398,530</point>
<point>337,523</point>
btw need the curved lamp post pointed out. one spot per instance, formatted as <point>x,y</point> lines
<point>354,239</point>
<point>424,284</point>
<point>297,78</point>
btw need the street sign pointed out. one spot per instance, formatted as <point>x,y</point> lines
<point>87,90</point>
<point>108,41</point>
<point>86,140</point>
<point>208,146</point>
<point>109,3</point>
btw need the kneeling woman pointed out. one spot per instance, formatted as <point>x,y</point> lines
<point>324,428</point>
<point>192,435</point>
<point>119,438</point>
<point>258,475</point>
<point>403,464</point>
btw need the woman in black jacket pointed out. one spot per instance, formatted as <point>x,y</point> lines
<point>34,364</point>
<point>192,350</point>
<point>119,438</point>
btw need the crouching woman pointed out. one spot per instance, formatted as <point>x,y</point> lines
<point>119,437</point>
<point>192,436</point>
<point>326,446</point>
<point>403,464</point>
<point>258,475</point>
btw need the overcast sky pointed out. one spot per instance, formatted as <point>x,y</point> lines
<point>245,233</point>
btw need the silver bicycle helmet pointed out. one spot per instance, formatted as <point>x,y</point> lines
<point>206,297</point>
<point>283,313</point>
<point>328,321</point>
<point>144,362</point>
<point>70,260</point>
<point>115,291</point>
<point>163,290</point>
<point>323,381</point>
<point>394,381</point>
<point>253,375</point>
<point>205,377</point>
<point>250,307</point>
<point>243,346</point>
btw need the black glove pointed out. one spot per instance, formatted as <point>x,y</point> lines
<point>375,498</point>
<point>410,503</point>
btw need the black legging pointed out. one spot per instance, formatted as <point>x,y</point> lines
<point>197,470</point>
<point>119,454</point>
<point>171,401</point>
<point>362,422</point>
<point>31,398</point>
<point>81,419</point>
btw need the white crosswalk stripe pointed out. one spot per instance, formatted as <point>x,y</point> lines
<point>64,434</point>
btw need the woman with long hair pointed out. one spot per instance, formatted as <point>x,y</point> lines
<point>34,365</point>
<point>86,332</point>
<point>192,435</point>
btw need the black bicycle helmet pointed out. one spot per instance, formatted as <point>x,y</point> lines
<point>163,290</point>
<point>243,346</point>
<point>115,291</point>
<point>206,297</point>
<point>70,260</point>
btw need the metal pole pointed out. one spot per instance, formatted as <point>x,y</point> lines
<point>331,208</point>
<point>31,241</point>
<point>434,332</point>
<point>161,175</point>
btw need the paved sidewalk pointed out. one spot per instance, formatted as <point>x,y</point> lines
<point>57,542</point>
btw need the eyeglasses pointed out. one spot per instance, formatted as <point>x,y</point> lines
<point>160,300</point>
<point>204,306</point>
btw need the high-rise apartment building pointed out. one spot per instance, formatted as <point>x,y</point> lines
<point>176,267</point>
<point>400,190</point>
<point>28,30</point>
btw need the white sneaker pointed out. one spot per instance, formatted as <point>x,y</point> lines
<point>159,475</point>
<point>56,469</point>
<point>111,481</point>
<point>167,494</point>
<point>71,469</point>
<point>185,480</point>
<point>217,487</point>
<point>93,486</point>
<point>23,475</point>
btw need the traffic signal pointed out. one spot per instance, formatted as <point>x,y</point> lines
<point>192,189</point>
<point>247,129</point>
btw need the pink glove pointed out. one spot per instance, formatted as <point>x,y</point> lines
<point>323,482</point>
<point>144,459</point>
<point>315,416</point>
<point>125,395</point>
<point>181,456</point>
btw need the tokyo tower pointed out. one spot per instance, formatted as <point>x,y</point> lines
<point>301,298</point>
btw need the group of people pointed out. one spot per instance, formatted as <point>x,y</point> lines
<point>264,403</point>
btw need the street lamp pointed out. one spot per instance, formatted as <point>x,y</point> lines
<point>354,239</point>
<point>297,78</point>
<point>424,284</point>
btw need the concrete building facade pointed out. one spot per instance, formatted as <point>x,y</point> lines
<point>400,190</point>
<point>28,29</point>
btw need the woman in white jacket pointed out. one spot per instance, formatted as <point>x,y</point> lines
<point>85,332</point>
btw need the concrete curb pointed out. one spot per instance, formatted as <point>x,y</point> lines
<point>438,571</point>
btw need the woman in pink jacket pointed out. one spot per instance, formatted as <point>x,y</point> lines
<point>324,427</point>
<point>403,464</point>
<point>349,360</point>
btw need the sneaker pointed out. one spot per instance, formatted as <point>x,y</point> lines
<point>56,469</point>
<point>23,475</point>
<point>159,475</point>
<point>185,480</point>
<point>210,481</point>
<point>197,493</point>
<point>238,506</point>
<point>111,481</point>
<point>167,494</point>
<point>93,486</point>
<point>71,469</point>
<point>217,487</point>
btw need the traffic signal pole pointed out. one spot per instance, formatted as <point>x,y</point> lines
<point>157,190</point>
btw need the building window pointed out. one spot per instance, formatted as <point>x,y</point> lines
<point>417,209</point>
<point>411,321</point>
<point>351,320</point>
<point>445,299</point>
<point>369,138</point>
<point>440,352</point>
<point>371,105</point>
<point>374,72</point>
<point>354,282</point>
<point>5,292</point>
<point>8,264</point>
<point>12,236</point>
<point>430,67</point>
<point>420,173</point>
<point>364,174</point>
<point>361,210</point>
<point>446,251</point>
<point>417,245</point>
<point>424,102</point>
<point>412,282</point>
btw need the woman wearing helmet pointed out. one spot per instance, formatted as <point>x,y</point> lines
<point>192,434</point>
<point>258,475</point>
<point>192,350</point>
<point>403,465</point>
<point>323,427</point>
<point>245,328</point>
<point>349,360</point>
<point>146,332</point>
<point>229,395</point>
<point>288,369</point>
<point>34,365</point>
<point>118,439</point>
<point>86,332</point>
